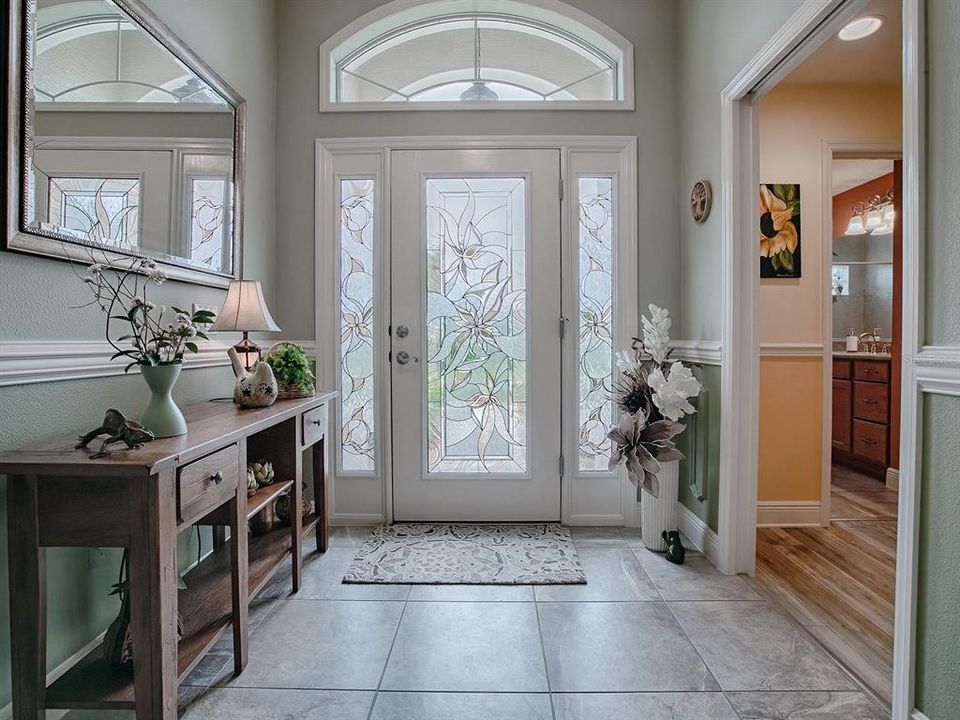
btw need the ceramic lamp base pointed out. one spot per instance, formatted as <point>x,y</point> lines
<point>660,513</point>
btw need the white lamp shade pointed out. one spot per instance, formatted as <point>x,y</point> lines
<point>883,228</point>
<point>855,226</point>
<point>244,310</point>
<point>874,219</point>
<point>889,213</point>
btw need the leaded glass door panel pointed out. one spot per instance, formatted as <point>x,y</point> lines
<point>475,347</point>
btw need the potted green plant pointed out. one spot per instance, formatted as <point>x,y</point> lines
<point>291,368</point>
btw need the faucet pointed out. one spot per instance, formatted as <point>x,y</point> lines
<point>872,336</point>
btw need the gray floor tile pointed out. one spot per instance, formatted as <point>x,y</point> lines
<point>467,647</point>
<point>613,573</point>
<point>643,706</point>
<point>619,647</point>
<point>696,579</point>
<point>323,580</point>
<point>211,668</point>
<point>596,536</point>
<point>329,644</point>
<point>270,704</point>
<point>472,593</point>
<point>806,705</point>
<point>461,706</point>
<point>632,536</point>
<point>751,646</point>
<point>350,535</point>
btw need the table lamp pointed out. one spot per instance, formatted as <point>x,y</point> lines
<point>244,310</point>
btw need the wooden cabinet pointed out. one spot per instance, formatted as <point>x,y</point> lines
<point>861,413</point>
<point>60,496</point>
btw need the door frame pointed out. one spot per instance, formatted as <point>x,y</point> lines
<point>891,149</point>
<point>922,366</point>
<point>375,152</point>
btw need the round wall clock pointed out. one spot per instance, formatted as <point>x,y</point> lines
<point>700,200</point>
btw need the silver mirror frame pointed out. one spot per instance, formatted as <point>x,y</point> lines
<point>20,29</point>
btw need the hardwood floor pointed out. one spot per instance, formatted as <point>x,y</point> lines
<point>838,581</point>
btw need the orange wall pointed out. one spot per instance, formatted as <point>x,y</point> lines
<point>795,121</point>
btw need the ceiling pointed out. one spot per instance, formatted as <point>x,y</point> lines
<point>851,173</point>
<point>875,60</point>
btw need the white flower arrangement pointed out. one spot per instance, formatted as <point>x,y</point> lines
<point>653,395</point>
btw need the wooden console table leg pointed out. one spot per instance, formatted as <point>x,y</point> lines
<point>296,520</point>
<point>319,490</point>
<point>28,595</point>
<point>153,596</point>
<point>239,573</point>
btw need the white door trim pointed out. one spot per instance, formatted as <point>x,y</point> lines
<point>376,150</point>
<point>801,35</point>
<point>891,148</point>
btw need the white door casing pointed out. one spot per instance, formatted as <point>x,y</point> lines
<point>590,495</point>
<point>475,310</point>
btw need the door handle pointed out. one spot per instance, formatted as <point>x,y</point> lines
<point>403,357</point>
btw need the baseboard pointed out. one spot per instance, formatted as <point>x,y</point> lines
<point>892,480</point>
<point>356,519</point>
<point>699,533</point>
<point>596,520</point>
<point>59,671</point>
<point>917,715</point>
<point>788,513</point>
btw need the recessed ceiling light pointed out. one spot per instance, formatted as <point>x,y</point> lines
<point>861,27</point>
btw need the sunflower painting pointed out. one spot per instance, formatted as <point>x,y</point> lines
<point>779,230</point>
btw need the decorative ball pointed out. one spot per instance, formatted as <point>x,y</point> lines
<point>262,472</point>
<point>252,484</point>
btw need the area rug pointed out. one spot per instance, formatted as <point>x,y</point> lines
<point>444,554</point>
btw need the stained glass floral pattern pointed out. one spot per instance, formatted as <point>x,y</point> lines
<point>596,321</point>
<point>103,210</point>
<point>208,199</point>
<point>356,326</point>
<point>476,325</point>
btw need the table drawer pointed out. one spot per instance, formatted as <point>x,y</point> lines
<point>841,369</point>
<point>871,401</point>
<point>314,424</point>
<point>870,440</point>
<point>207,483</point>
<point>871,370</point>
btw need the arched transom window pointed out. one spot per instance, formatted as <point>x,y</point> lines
<point>468,54</point>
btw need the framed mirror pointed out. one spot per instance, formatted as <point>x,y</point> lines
<point>121,142</point>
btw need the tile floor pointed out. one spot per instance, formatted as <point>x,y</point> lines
<point>644,640</point>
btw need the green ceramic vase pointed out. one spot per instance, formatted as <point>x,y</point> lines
<point>162,416</point>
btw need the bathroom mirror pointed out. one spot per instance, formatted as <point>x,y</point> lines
<point>862,279</point>
<point>121,141</point>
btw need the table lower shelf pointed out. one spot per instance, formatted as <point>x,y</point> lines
<point>206,609</point>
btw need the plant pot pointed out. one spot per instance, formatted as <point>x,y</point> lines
<point>162,416</point>
<point>660,513</point>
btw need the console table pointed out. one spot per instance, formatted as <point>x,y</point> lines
<point>59,496</point>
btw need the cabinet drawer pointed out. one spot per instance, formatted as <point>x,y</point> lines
<point>841,369</point>
<point>872,370</point>
<point>870,440</point>
<point>314,424</point>
<point>871,401</point>
<point>207,483</point>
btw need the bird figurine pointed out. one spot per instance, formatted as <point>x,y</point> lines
<point>675,551</point>
<point>255,388</point>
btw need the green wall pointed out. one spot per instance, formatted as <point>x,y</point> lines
<point>938,585</point>
<point>937,679</point>
<point>238,39</point>
<point>691,469</point>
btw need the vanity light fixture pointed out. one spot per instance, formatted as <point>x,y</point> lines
<point>861,27</point>
<point>875,216</point>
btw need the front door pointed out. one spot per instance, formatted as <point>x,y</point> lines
<point>475,346</point>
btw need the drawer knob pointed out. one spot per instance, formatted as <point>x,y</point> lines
<point>868,441</point>
<point>315,422</point>
<point>217,477</point>
<point>869,401</point>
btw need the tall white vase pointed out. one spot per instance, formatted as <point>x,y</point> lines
<point>660,513</point>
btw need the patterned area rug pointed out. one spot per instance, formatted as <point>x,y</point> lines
<point>442,554</point>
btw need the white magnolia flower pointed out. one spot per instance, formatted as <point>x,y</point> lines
<point>670,392</point>
<point>97,268</point>
<point>148,306</point>
<point>627,361</point>
<point>158,276</point>
<point>656,333</point>
<point>183,320</point>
